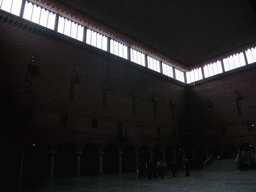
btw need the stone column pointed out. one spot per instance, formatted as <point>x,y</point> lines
<point>175,156</point>
<point>21,165</point>
<point>120,154</point>
<point>163,157</point>
<point>151,156</point>
<point>52,164</point>
<point>137,160</point>
<point>101,162</point>
<point>78,163</point>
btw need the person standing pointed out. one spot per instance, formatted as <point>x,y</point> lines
<point>150,169</point>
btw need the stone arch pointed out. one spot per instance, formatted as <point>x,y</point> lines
<point>90,160</point>
<point>110,160</point>
<point>128,159</point>
<point>65,160</point>
<point>36,164</point>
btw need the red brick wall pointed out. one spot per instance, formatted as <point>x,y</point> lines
<point>56,59</point>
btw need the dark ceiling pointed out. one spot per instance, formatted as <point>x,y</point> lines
<point>190,31</point>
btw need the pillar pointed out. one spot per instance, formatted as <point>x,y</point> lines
<point>52,164</point>
<point>78,163</point>
<point>120,154</point>
<point>151,156</point>
<point>163,157</point>
<point>137,160</point>
<point>101,162</point>
<point>175,156</point>
<point>21,165</point>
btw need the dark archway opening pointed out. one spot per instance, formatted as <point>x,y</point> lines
<point>200,157</point>
<point>214,150</point>
<point>65,160</point>
<point>169,156</point>
<point>110,162</point>
<point>144,154</point>
<point>229,151</point>
<point>157,154</point>
<point>129,159</point>
<point>36,162</point>
<point>90,160</point>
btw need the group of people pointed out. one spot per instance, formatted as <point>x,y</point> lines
<point>152,169</point>
<point>156,169</point>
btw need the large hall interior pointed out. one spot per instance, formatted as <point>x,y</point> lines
<point>91,88</point>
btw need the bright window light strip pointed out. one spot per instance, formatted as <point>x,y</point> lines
<point>118,49</point>
<point>179,75</point>
<point>167,70</point>
<point>153,64</point>
<point>234,61</point>
<point>96,39</point>
<point>39,15</point>
<point>251,55</point>
<point>70,28</point>
<point>137,57</point>
<point>11,6</point>
<point>194,75</point>
<point>212,69</point>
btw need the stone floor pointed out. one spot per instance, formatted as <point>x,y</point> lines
<point>206,181</point>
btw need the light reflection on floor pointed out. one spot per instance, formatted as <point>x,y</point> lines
<point>214,181</point>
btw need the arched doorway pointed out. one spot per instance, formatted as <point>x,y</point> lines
<point>36,162</point>
<point>90,160</point>
<point>65,160</point>
<point>229,151</point>
<point>110,162</point>
<point>128,159</point>
<point>169,158</point>
<point>200,157</point>
<point>157,154</point>
<point>144,154</point>
<point>179,157</point>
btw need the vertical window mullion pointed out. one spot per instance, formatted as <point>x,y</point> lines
<point>11,6</point>
<point>40,16</point>
<point>32,12</point>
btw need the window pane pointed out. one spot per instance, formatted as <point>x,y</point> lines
<point>51,20</point>
<point>219,67</point>
<point>74,27</point>
<point>44,17</point>
<point>105,43</point>
<point>231,62</point>
<point>226,64</point>
<point>36,14</point>
<point>88,36</point>
<point>67,29</point>
<point>241,59</point>
<point>6,5</point>
<point>16,6</point>
<point>99,41</point>
<point>61,25</point>
<point>93,42</point>
<point>28,11</point>
<point>125,52</point>
<point>80,34</point>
